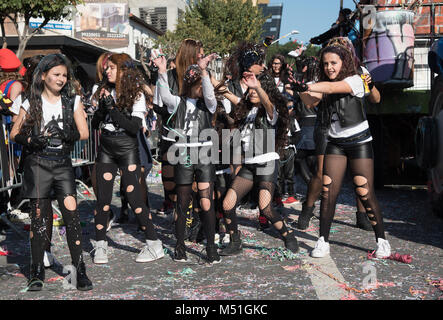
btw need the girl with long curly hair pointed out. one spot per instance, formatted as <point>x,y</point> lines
<point>340,92</point>
<point>245,57</point>
<point>49,123</point>
<point>121,110</point>
<point>262,122</point>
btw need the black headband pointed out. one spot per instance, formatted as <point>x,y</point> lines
<point>251,56</point>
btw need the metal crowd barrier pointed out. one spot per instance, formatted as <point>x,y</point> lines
<point>84,154</point>
<point>9,177</point>
<point>85,151</point>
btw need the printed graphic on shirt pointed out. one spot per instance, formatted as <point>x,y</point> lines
<point>191,117</point>
<point>52,117</point>
<point>54,123</point>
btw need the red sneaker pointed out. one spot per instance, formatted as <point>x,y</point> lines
<point>291,200</point>
<point>263,222</point>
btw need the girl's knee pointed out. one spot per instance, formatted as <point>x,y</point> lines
<point>70,203</point>
<point>205,204</point>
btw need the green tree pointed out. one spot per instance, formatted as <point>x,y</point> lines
<point>219,24</point>
<point>23,10</point>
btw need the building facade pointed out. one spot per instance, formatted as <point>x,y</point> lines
<point>273,12</point>
<point>161,14</point>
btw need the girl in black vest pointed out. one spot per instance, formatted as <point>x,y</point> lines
<point>189,52</point>
<point>263,110</point>
<point>192,112</point>
<point>49,123</point>
<point>341,91</point>
<point>121,110</point>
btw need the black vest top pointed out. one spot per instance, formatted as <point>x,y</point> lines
<point>204,117</point>
<point>349,109</point>
<point>68,126</point>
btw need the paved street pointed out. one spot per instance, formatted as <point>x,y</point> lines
<point>264,270</point>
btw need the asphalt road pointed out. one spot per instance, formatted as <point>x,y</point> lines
<point>264,271</point>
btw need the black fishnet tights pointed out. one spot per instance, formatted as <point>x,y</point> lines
<point>239,188</point>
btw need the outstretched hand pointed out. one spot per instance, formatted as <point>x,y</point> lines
<point>204,62</point>
<point>297,84</point>
<point>250,80</point>
<point>161,63</point>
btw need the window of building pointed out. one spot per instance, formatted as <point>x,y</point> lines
<point>155,16</point>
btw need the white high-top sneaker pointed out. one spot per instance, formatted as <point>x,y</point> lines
<point>321,249</point>
<point>153,250</point>
<point>48,259</point>
<point>383,248</point>
<point>101,252</point>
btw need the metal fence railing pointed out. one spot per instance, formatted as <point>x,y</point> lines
<point>9,176</point>
<point>85,151</point>
<point>422,72</point>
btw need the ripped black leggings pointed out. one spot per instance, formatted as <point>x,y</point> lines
<point>305,164</point>
<point>168,179</point>
<point>130,180</point>
<point>41,227</point>
<point>362,170</point>
<point>206,205</point>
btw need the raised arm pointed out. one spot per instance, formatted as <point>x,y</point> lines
<point>162,86</point>
<point>252,83</point>
<point>208,88</point>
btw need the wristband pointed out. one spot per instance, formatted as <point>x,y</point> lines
<point>21,139</point>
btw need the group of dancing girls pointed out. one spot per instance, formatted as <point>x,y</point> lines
<point>189,101</point>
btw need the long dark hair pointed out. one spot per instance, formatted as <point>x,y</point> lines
<point>268,85</point>
<point>283,74</point>
<point>186,56</point>
<point>30,64</point>
<point>348,65</point>
<point>35,112</point>
<point>128,84</point>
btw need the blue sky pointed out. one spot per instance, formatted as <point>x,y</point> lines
<point>309,17</point>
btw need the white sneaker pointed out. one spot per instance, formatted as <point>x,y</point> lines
<point>110,221</point>
<point>101,252</point>
<point>48,259</point>
<point>17,215</point>
<point>321,249</point>
<point>383,249</point>
<point>153,250</point>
